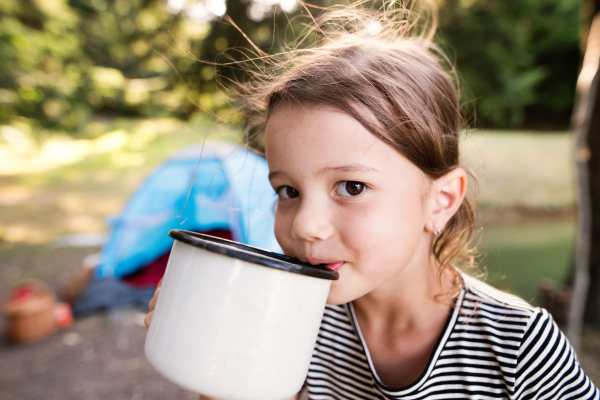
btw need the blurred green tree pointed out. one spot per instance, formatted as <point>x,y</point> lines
<point>125,41</point>
<point>42,66</point>
<point>62,61</point>
<point>519,59</point>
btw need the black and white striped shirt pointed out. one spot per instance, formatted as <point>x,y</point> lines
<point>494,345</point>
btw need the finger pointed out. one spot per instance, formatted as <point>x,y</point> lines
<point>148,319</point>
<point>153,300</point>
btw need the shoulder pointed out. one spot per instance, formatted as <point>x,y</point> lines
<point>489,328</point>
<point>547,366</point>
<point>541,361</point>
<point>483,302</point>
<point>493,296</point>
<point>493,310</point>
<point>503,313</point>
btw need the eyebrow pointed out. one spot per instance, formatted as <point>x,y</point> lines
<point>349,168</point>
<point>341,168</point>
<point>274,174</point>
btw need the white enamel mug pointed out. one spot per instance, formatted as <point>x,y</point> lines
<point>236,322</point>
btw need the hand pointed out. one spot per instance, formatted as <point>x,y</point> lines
<point>151,305</point>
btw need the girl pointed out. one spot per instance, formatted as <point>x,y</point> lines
<point>361,135</point>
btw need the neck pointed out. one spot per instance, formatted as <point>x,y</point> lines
<point>411,301</point>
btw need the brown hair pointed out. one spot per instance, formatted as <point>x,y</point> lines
<point>382,68</point>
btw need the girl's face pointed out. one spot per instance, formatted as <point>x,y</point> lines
<point>346,199</point>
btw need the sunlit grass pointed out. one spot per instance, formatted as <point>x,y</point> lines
<point>52,196</point>
<point>528,169</point>
<point>127,143</point>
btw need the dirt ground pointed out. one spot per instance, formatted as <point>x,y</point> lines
<point>97,358</point>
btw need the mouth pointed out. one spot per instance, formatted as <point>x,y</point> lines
<point>335,266</point>
<point>332,265</point>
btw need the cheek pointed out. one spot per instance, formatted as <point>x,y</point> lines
<point>390,225</point>
<point>283,231</point>
<point>370,223</point>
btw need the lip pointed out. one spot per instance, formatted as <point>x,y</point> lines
<point>331,264</point>
<point>335,266</point>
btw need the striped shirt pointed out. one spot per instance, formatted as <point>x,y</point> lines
<point>494,345</point>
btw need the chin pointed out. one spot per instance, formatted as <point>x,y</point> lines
<point>334,299</point>
<point>335,302</point>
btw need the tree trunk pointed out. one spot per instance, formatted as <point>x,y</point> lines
<point>586,124</point>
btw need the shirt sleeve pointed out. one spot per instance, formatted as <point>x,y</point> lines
<point>547,366</point>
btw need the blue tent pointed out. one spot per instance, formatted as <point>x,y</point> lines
<point>203,187</point>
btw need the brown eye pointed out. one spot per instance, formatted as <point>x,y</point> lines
<point>350,188</point>
<point>287,192</point>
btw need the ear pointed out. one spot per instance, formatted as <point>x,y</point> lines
<point>446,195</point>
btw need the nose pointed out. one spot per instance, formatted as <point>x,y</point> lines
<point>312,221</point>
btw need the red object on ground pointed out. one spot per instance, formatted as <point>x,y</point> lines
<point>22,293</point>
<point>152,273</point>
<point>63,316</point>
<point>28,311</point>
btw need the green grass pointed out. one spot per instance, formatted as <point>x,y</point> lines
<point>518,257</point>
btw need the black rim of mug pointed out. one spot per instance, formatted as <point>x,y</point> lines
<point>253,254</point>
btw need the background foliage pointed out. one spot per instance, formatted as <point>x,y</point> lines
<point>63,62</point>
<point>519,58</point>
